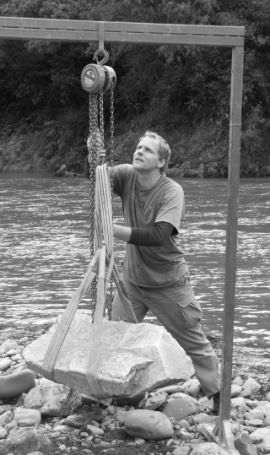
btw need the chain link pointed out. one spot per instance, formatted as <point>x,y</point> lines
<point>112,125</point>
<point>101,118</point>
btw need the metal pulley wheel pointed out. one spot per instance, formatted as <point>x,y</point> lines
<point>96,78</point>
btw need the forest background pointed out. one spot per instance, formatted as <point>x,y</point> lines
<point>181,92</point>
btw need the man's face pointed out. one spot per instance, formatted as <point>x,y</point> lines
<point>146,156</point>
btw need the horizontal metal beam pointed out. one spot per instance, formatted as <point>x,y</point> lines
<point>128,32</point>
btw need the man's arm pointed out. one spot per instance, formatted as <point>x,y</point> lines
<point>149,236</point>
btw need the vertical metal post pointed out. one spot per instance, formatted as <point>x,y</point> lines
<point>231,235</point>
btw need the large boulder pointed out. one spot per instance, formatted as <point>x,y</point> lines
<point>132,358</point>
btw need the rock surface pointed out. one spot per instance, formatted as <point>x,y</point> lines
<point>132,358</point>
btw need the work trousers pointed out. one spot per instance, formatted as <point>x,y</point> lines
<point>177,310</point>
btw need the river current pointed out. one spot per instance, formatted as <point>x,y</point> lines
<point>44,229</point>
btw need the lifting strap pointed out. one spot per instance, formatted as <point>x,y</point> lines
<point>101,264</point>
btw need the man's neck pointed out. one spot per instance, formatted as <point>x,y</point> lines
<point>149,179</point>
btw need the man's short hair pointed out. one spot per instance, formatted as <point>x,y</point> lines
<point>164,150</point>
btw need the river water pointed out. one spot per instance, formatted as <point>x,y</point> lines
<point>44,224</point>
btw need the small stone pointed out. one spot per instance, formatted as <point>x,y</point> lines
<point>24,440</point>
<point>203,418</point>
<point>147,424</point>
<point>180,406</point>
<point>57,400</point>
<point>261,436</point>
<point>95,431</point>
<point>244,445</point>
<point>185,435</point>
<point>192,387</point>
<point>267,421</point>
<point>255,413</point>
<point>139,441</point>
<point>62,428</point>
<point>3,433</point>
<point>206,430</point>
<point>238,402</point>
<point>182,450</point>
<point>252,385</point>
<point>75,420</point>
<point>254,422</point>
<point>11,352</point>
<point>14,384</point>
<point>235,427</point>
<point>205,404</point>
<point>8,345</point>
<point>235,390</point>
<point>246,393</point>
<point>121,415</point>
<point>183,424</point>
<point>155,401</point>
<point>17,358</point>
<point>6,418</point>
<point>237,380</point>
<point>206,448</point>
<point>267,396</point>
<point>84,434</point>
<point>27,417</point>
<point>5,363</point>
<point>169,389</point>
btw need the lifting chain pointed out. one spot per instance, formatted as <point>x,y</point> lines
<point>109,295</point>
<point>97,79</point>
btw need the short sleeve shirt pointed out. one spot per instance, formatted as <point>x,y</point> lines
<point>151,266</point>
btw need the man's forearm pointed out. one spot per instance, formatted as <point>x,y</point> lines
<point>122,232</point>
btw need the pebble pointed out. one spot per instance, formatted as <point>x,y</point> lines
<point>7,345</point>
<point>11,353</point>
<point>155,401</point>
<point>185,435</point>
<point>3,433</point>
<point>254,422</point>
<point>95,431</point>
<point>183,450</point>
<point>75,420</point>
<point>63,429</point>
<point>267,421</point>
<point>180,406</point>
<point>148,424</point>
<point>5,363</point>
<point>14,384</point>
<point>235,390</point>
<point>27,417</point>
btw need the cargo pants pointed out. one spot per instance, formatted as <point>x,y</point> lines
<point>176,308</point>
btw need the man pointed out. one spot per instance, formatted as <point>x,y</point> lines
<point>155,272</point>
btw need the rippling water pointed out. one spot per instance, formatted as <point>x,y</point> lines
<point>45,250</point>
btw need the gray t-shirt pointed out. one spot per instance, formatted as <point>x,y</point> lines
<point>151,266</point>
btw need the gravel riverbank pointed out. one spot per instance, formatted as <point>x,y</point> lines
<point>175,420</point>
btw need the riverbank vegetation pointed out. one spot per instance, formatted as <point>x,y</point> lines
<point>180,91</point>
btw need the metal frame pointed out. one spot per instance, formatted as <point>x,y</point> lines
<point>150,33</point>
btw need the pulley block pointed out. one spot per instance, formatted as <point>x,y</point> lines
<point>97,77</point>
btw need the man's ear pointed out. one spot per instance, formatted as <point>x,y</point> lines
<point>161,163</point>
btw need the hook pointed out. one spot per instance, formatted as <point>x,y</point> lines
<point>101,50</point>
